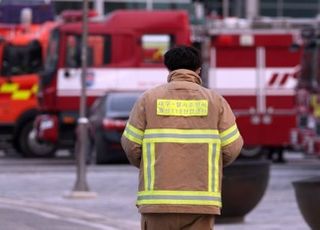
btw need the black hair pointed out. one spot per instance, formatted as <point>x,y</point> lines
<point>182,57</point>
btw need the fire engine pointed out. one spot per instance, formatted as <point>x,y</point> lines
<point>22,49</point>
<point>306,135</point>
<point>252,68</point>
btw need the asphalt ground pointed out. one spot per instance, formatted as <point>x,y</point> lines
<point>34,195</point>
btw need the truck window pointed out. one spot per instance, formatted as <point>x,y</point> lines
<point>20,60</point>
<point>52,52</point>
<point>98,51</point>
<point>154,46</point>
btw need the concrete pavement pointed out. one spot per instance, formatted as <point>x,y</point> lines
<point>36,190</point>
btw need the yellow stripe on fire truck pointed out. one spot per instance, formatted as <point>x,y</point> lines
<point>16,93</point>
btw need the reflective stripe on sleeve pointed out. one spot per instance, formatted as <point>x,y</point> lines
<point>133,134</point>
<point>229,135</point>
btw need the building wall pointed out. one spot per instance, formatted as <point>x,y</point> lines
<point>268,8</point>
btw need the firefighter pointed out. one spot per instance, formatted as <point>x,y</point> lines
<point>180,135</point>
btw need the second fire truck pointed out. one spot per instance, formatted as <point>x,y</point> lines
<point>23,46</point>
<point>305,136</point>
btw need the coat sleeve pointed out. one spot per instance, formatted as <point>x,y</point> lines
<point>231,139</point>
<point>132,136</point>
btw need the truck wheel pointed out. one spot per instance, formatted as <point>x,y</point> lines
<point>30,146</point>
<point>251,152</point>
<point>101,153</point>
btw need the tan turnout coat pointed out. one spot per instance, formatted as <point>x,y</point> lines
<point>180,135</point>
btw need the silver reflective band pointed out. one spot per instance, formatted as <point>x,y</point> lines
<point>174,135</point>
<point>149,166</point>
<point>177,197</point>
<point>134,134</point>
<point>233,133</point>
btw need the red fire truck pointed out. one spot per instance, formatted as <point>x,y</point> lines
<point>22,49</point>
<point>252,68</point>
<point>306,135</point>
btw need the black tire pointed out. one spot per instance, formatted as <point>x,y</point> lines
<point>252,152</point>
<point>30,146</point>
<point>100,150</point>
<point>105,155</point>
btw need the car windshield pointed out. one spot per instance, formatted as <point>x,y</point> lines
<point>120,104</point>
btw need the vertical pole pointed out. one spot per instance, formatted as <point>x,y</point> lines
<point>82,134</point>
<point>279,8</point>
<point>149,4</point>
<point>225,8</point>
<point>238,10</point>
<point>205,53</point>
<point>260,84</point>
<point>252,9</point>
<point>199,10</point>
<point>99,7</point>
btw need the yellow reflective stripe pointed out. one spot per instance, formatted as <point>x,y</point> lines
<point>316,105</point>
<point>148,166</point>
<point>186,108</point>
<point>34,88</point>
<point>216,168</point>
<point>229,135</point>
<point>180,202</point>
<point>135,130</point>
<point>314,101</point>
<point>231,139</point>
<point>152,155</point>
<point>133,134</point>
<point>213,166</point>
<point>179,197</point>
<point>9,87</point>
<point>16,94</point>
<point>182,131</point>
<point>145,166</point>
<point>132,138</point>
<point>209,137</point>
<point>179,193</point>
<point>179,140</point>
<point>210,156</point>
<point>228,131</point>
<point>182,135</point>
<point>21,95</point>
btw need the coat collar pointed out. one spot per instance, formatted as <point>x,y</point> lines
<point>184,75</point>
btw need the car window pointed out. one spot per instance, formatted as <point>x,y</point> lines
<point>120,105</point>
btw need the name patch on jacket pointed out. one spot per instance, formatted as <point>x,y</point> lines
<point>182,108</point>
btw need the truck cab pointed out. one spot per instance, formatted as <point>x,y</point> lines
<point>24,31</point>
<point>125,52</point>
